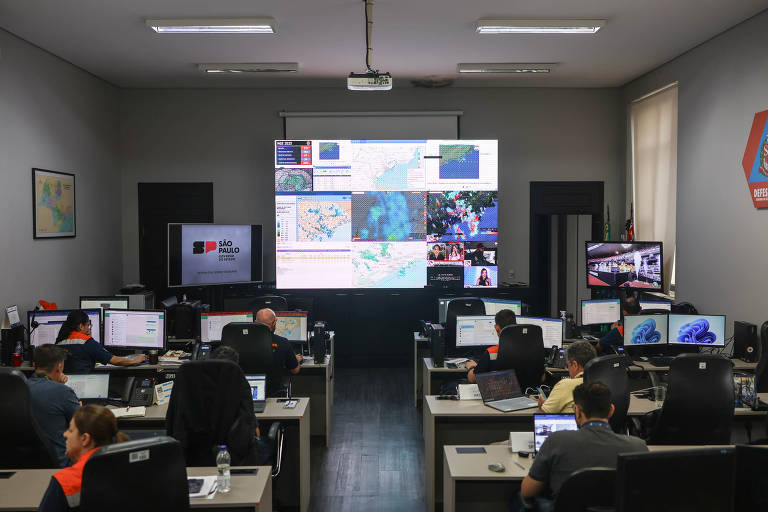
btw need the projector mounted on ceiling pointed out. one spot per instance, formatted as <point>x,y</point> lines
<point>373,80</point>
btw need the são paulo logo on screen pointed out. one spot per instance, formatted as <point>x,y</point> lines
<point>224,248</point>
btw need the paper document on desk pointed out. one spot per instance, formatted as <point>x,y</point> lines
<point>163,392</point>
<point>205,486</point>
<point>469,392</point>
<point>129,412</point>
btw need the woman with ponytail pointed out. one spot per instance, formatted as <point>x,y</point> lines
<point>92,427</point>
<point>84,352</point>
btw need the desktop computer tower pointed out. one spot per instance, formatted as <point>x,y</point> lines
<point>745,341</point>
<point>437,340</point>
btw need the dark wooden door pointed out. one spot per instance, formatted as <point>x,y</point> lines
<point>160,204</point>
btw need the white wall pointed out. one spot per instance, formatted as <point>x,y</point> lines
<point>722,240</point>
<point>225,136</point>
<point>55,116</point>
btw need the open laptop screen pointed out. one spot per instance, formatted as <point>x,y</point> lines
<point>498,385</point>
<point>258,384</point>
<point>93,385</point>
<point>545,424</point>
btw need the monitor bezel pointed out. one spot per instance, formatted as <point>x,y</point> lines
<point>678,344</point>
<point>221,313</point>
<point>600,300</point>
<point>32,313</point>
<point>131,347</point>
<point>600,287</point>
<point>633,345</point>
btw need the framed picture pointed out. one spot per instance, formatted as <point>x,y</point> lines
<point>53,204</point>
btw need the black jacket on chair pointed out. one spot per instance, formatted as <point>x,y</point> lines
<point>211,404</point>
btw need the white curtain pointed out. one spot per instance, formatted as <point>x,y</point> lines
<point>654,171</point>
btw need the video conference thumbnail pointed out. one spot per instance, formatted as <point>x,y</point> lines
<point>451,253</point>
<point>462,216</point>
<point>624,265</point>
<point>479,277</point>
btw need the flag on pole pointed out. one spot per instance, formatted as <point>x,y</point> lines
<point>607,230</point>
<point>630,225</point>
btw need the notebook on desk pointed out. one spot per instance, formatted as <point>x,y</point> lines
<point>258,384</point>
<point>501,391</point>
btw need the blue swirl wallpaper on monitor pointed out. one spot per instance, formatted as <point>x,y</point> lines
<point>645,329</point>
<point>706,330</point>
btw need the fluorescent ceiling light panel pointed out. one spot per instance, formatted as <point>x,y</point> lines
<point>213,25</point>
<point>514,26</point>
<point>250,67</point>
<point>506,67</point>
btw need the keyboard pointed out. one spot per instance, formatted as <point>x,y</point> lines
<point>513,404</point>
<point>660,360</point>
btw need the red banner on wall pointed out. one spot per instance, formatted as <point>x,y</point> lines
<point>755,161</point>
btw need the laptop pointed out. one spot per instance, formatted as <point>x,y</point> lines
<point>501,391</point>
<point>545,424</point>
<point>258,384</point>
<point>93,387</point>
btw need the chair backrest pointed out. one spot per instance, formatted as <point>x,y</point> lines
<point>183,321</point>
<point>521,348</point>
<point>211,405</point>
<point>253,341</point>
<point>586,488</point>
<point>612,371</point>
<point>698,408</point>
<point>147,475</point>
<point>26,446</point>
<point>461,306</point>
<point>273,302</point>
<point>761,372</point>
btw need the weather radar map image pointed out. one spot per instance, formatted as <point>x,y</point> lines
<point>462,216</point>
<point>289,179</point>
<point>459,162</point>
<point>388,216</point>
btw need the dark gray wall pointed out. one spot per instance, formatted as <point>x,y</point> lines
<point>722,239</point>
<point>225,136</point>
<point>55,116</point>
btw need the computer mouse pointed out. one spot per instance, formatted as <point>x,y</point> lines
<point>498,467</point>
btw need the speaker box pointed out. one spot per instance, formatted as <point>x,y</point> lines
<point>745,341</point>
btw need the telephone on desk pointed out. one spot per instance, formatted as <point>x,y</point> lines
<point>139,391</point>
<point>556,358</point>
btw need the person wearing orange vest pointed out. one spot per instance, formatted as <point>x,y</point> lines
<point>84,352</point>
<point>92,427</point>
<point>615,337</point>
<point>486,362</point>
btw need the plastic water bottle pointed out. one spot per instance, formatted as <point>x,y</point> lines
<point>223,481</point>
<point>18,354</point>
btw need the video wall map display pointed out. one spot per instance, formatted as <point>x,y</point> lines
<point>386,213</point>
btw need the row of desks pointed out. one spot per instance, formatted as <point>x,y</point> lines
<point>469,422</point>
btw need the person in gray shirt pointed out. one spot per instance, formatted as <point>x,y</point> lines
<point>593,444</point>
<point>53,402</point>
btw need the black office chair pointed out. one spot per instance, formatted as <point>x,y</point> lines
<point>253,342</point>
<point>698,408</point>
<point>26,446</point>
<point>461,306</point>
<point>589,489</point>
<point>182,321</point>
<point>147,475</point>
<point>761,372</point>
<point>211,404</point>
<point>521,348</point>
<point>273,302</point>
<point>612,371</point>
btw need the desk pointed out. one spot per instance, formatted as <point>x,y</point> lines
<point>25,489</point>
<point>420,349</point>
<point>292,487</point>
<point>315,381</point>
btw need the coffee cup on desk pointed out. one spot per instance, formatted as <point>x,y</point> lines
<point>153,357</point>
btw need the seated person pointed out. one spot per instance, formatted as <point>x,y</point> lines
<point>563,452</point>
<point>615,337</point>
<point>263,446</point>
<point>53,403</point>
<point>92,427</point>
<point>83,351</point>
<point>285,357</point>
<point>487,361</point>
<point>560,400</point>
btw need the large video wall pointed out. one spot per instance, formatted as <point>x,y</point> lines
<point>386,213</point>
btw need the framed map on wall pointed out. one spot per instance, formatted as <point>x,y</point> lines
<point>53,204</point>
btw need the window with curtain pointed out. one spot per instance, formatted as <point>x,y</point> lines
<point>653,119</point>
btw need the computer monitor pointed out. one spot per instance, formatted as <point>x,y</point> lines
<point>605,311</point>
<point>546,424</point>
<point>625,265</point>
<point>93,385</point>
<point>442,308</point>
<point>706,330</point>
<point>49,323</point>
<point>258,385</point>
<point>690,479</point>
<point>211,324</point>
<point>475,331</point>
<point>291,325</point>
<point>493,306</point>
<point>103,302</point>
<point>134,329</point>
<point>551,329</point>
<point>641,330</point>
<point>656,304</point>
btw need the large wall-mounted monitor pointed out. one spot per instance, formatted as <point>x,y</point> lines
<point>50,322</point>
<point>386,213</point>
<point>211,254</point>
<point>625,265</point>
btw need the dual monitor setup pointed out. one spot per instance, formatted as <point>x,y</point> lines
<point>608,311</point>
<point>292,325</point>
<point>681,330</point>
<point>478,331</point>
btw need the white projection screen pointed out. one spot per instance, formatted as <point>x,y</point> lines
<point>386,213</point>
<point>372,125</point>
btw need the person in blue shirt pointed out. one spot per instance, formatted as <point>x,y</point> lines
<point>615,337</point>
<point>83,351</point>
<point>53,402</point>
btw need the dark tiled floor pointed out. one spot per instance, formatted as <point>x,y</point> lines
<point>375,461</point>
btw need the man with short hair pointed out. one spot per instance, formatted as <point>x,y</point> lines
<point>281,347</point>
<point>487,361</point>
<point>53,403</point>
<point>560,400</point>
<point>615,337</point>
<point>593,444</point>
